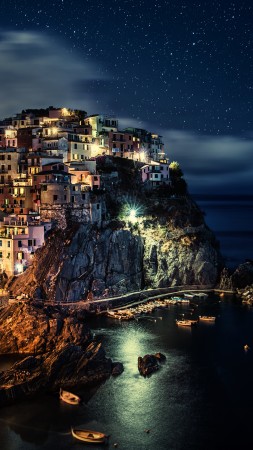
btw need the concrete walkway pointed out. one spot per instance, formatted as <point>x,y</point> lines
<point>137,297</point>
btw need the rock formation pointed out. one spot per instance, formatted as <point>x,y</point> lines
<point>169,245</point>
<point>150,363</point>
<point>59,347</point>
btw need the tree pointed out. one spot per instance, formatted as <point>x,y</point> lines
<point>175,170</point>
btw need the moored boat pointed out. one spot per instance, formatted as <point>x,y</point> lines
<point>89,436</point>
<point>69,397</point>
<point>186,322</point>
<point>201,295</point>
<point>207,318</point>
<point>189,295</point>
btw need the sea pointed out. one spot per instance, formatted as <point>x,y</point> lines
<point>201,398</point>
<point>230,217</point>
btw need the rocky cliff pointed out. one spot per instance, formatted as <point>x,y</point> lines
<point>167,245</point>
<point>59,347</point>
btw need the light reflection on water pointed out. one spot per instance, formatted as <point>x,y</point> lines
<point>202,390</point>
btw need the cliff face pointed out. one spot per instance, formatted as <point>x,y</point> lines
<point>169,245</point>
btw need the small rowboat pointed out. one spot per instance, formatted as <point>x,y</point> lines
<point>70,398</point>
<point>89,436</point>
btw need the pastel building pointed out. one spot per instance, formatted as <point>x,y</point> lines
<point>121,144</point>
<point>156,174</point>
<point>18,242</point>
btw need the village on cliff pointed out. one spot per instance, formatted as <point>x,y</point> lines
<point>49,167</point>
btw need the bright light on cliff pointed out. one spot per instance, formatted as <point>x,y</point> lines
<point>132,215</point>
<point>131,212</point>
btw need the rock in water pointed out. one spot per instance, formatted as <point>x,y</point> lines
<point>150,363</point>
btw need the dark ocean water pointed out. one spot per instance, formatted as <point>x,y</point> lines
<point>231,219</point>
<point>200,399</point>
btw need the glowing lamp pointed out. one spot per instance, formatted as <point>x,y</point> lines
<point>64,111</point>
<point>19,267</point>
<point>132,215</point>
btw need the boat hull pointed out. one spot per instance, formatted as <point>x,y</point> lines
<point>90,436</point>
<point>69,398</point>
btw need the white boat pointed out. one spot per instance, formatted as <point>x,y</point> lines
<point>186,322</point>
<point>90,436</point>
<point>207,318</point>
<point>201,295</point>
<point>190,295</point>
<point>69,397</point>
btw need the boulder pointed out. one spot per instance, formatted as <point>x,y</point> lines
<point>150,363</point>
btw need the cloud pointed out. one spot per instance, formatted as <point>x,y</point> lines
<point>218,164</point>
<point>37,70</point>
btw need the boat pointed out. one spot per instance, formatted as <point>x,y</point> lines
<point>69,397</point>
<point>201,295</point>
<point>190,295</point>
<point>186,322</point>
<point>89,436</point>
<point>207,318</point>
<point>121,315</point>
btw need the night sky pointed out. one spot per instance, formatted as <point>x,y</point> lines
<point>182,69</point>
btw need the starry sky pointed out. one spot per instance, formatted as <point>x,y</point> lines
<point>182,69</point>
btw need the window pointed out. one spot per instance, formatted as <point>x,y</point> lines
<point>1,243</point>
<point>83,196</point>
<point>9,167</point>
<point>9,157</point>
<point>75,146</point>
<point>19,244</point>
<point>30,242</point>
<point>1,254</point>
<point>55,197</point>
<point>8,243</point>
<point>98,205</point>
